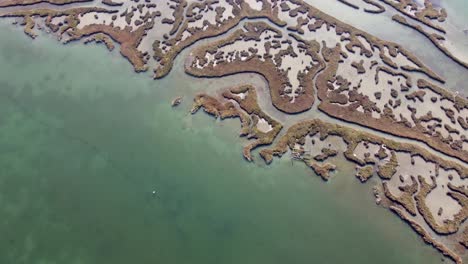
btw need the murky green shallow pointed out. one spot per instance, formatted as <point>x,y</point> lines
<point>84,141</point>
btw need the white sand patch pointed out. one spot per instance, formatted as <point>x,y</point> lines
<point>263,126</point>
<point>254,4</point>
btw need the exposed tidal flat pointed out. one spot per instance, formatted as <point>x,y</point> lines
<point>383,27</point>
<point>84,142</point>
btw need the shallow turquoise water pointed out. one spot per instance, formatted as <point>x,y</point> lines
<point>84,141</point>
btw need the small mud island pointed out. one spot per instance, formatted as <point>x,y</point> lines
<point>333,92</point>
